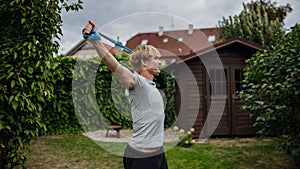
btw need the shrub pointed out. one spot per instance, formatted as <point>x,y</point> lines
<point>271,91</point>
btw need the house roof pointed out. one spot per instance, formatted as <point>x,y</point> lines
<point>176,42</point>
<point>85,50</point>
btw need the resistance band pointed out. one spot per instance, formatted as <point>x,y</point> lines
<point>96,35</point>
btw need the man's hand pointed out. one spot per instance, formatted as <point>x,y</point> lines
<point>89,27</point>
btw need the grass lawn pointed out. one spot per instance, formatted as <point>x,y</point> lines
<point>79,152</point>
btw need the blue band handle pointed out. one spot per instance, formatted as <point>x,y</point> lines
<point>94,35</point>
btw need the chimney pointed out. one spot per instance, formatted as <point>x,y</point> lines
<point>190,31</point>
<point>160,30</point>
<point>180,51</point>
<point>117,49</point>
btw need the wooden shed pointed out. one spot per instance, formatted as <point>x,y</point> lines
<point>211,85</point>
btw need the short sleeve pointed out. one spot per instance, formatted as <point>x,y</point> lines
<point>138,81</point>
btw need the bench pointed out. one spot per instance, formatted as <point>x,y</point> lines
<point>117,128</point>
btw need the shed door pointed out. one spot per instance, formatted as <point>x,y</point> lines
<point>217,89</point>
<point>242,123</point>
<point>234,121</point>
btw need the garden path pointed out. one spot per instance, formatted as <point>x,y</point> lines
<point>100,135</point>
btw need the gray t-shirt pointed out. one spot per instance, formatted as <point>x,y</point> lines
<point>147,111</point>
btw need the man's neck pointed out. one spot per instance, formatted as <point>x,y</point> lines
<point>146,75</point>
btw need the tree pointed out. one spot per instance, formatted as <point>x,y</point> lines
<point>260,22</point>
<point>273,12</point>
<point>271,91</point>
<point>27,47</point>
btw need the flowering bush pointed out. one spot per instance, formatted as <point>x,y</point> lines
<point>185,138</point>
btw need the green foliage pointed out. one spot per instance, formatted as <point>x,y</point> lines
<point>259,22</point>
<point>58,115</point>
<point>111,97</point>
<point>271,91</point>
<point>26,46</point>
<point>84,85</point>
<point>165,82</point>
<point>91,98</point>
<point>98,97</point>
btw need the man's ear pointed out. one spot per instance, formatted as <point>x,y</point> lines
<point>143,63</point>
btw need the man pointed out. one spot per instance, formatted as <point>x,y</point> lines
<point>145,148</point>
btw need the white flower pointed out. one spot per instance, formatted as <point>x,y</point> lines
<point>181,131</point>
<point>192,130</point>
<point>186,142</point>
<point>175,128</point>
<point>193,141</point>
<point>189,132</point>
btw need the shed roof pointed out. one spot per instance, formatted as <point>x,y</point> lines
<point>220,45</point>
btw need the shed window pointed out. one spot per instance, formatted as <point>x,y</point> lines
<point>218,81</point>
<point>238,78</point>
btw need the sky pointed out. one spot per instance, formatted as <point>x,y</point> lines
<point>126,18</point>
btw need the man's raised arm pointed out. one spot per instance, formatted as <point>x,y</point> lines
<point>121,72</point>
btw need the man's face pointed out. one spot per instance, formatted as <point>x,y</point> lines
<point>153,65</point>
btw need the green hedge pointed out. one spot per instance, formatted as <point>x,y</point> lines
<point>87,97</point>
<point>59,114</point>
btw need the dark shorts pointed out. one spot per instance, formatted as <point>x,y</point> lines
<point>134,159</point>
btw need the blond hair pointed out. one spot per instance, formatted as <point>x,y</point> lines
<point>142,53</point>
